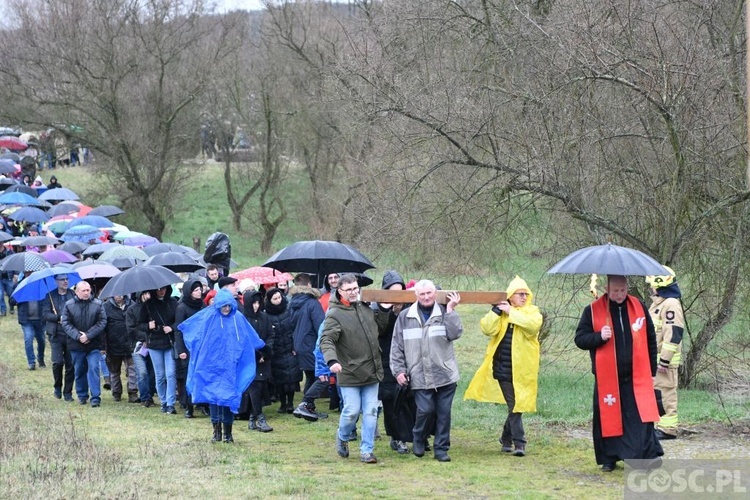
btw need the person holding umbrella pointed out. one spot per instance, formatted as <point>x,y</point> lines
<point>52,310</point>
<point>32,324</point>
<point>510,368</point>
<point>618,332</point>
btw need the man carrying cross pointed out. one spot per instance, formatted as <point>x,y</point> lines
<point>619,334</point>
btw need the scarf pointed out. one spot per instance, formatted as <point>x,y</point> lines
<point>607,379</point>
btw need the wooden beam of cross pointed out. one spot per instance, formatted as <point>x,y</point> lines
<point>409,297</point>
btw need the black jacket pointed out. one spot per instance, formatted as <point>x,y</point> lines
<point>262,325</point>
<point>116,341</point>
<point>284,363</point>
<point>84,316</point>
<point>163,313</point>
<point>186,307</point>
<point>52,308</point>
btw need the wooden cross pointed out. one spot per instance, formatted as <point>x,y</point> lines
<point>409,297</point>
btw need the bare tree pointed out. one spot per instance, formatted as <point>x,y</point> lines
<point>127,74</point>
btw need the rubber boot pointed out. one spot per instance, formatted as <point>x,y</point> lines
<point>217,433</point>
<point>228,433</point>
<point>251,425</point>
<point>262,425</point>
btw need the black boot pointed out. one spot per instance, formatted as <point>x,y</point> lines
<point>262,425</point>
<point>189,411</point>
<point>217,433</point>
<point>251,424</point>
<point>228,433</point>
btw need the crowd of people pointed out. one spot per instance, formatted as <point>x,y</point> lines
<point>225,350</point>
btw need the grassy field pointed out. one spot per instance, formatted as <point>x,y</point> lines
<point>53,449</point>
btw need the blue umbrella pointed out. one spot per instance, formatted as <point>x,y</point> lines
<point>91,220</point>
<point>16,198</point>
<point>81,233</point>
<point>29,214</point>
<point>609,259</point>
<point>38,284</point>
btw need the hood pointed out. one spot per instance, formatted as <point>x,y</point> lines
<point>170,290</point>
<point>669,292</point>
<point>326,286</point>
<point>391,278</point>
<point>304,290</point>
<point>224,298</point>
<point>516,284</point>
<point>251,296</point>
<point>187,288</point>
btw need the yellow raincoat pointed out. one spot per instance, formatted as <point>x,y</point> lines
<point>527,321</point>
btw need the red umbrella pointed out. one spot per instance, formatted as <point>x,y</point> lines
<point>12,143</point>
<point>262,275</point>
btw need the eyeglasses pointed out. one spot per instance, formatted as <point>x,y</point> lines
<point>522,294</point>
<point>349,290</point>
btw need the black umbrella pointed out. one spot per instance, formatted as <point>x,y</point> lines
<point>13,156</point>
<point>74,247</point>
<point>156,248</point>
<point>23,262</point>
<point>609,259</point>
<point>106,211</point>
<point>63,209</point>
<point>320,258</point>
<point>139,279</point>
<point>6,237</point>
<point>177,262</point>
<point>22,188</point>
<point>122,263</point>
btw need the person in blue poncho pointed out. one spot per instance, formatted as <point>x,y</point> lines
<point>222,348</point>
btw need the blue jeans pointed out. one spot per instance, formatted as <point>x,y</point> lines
<point>6,288</point>
<point>144,371</point>
<point>166,377</point>
<point>221,414</point>
<point>360,399</point>
<point>434,406</point>
<point>86,366</point>
<point>34,330</point>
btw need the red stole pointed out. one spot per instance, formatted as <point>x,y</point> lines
<point>607,382</point>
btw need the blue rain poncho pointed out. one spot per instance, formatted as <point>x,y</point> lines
<point>222,353</point>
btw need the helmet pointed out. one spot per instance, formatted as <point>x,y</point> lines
<point>661,281</point>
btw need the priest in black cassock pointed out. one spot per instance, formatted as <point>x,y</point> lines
<point>620,336</point>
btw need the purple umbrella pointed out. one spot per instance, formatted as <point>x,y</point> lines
<point>56,256</point>
<point>141,241</point>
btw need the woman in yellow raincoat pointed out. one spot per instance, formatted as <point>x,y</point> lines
<point>510,368</point>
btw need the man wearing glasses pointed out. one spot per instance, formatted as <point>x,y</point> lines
<point>52,308</point>
<point>349,344</point>
<point>422,356</point>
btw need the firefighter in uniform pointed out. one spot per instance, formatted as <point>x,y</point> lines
<point>669,323</point>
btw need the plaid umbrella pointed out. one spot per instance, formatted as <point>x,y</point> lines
<point>23,262</point>
<point>123,251</point>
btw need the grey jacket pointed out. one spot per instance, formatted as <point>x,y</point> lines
<point>424,350</point>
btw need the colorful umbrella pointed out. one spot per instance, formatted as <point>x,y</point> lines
<point>262,275</point>
<point>82,233</point>
<point>12,143</point>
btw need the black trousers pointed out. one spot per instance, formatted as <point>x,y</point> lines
<point>61,359</point>
<point>513,427</point>
<point>434,405</point>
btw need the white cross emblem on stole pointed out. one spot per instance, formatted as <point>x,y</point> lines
<point>610,400</point>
